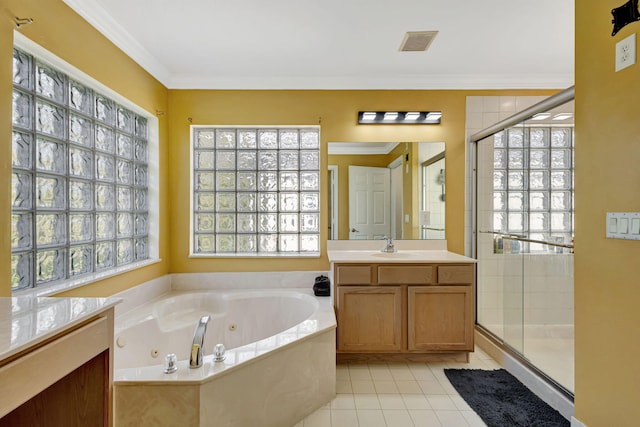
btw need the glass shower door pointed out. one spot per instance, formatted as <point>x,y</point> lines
<point>500,272</point>
<point>524,228</point>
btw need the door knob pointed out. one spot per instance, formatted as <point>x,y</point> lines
<point>353,230</point>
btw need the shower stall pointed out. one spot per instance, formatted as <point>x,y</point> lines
<point>523,236</point>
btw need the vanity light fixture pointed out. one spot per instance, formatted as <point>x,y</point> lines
<point>368,116</point>
<point>400,117</point>
<point>433,117</point>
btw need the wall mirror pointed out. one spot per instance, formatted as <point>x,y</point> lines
<point>394,189</point>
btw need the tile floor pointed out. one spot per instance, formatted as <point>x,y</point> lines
<point>398,395</point>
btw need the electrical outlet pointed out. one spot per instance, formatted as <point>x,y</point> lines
<point>626,52</point>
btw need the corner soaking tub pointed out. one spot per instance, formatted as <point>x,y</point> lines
<point>279,364</point>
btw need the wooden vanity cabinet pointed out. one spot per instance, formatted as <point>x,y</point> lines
<point>398,308</point>
<point>370,318</point>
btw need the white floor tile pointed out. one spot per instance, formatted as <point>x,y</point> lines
<point>359,372</point>
<point>342,372</point>
<point>363,386</point>
<point>460,403</point>
<point>343,386</point>
<point>397,417</point>
<point>386,387</point>
<point>448,388</point>
<point>398,395</point>
<point>422,373</point>
<point>366,401</point>
<point>408,387</point>
<point>371,418</point>
<point>380,372</point>
<point>401,372</point>
<point>441,402</point>
<point>424,418</point>
<point>451,419</point>
<point>391,401</point>
<point>344,418</point>
<point>432,387</point>
<point>415,401</point>
<point>343,401</point>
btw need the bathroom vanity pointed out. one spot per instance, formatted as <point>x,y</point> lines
<point>56,361</point>
<point>413,304</point>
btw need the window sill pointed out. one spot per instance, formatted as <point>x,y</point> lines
<point>48,290</point>
<point>258,255</point>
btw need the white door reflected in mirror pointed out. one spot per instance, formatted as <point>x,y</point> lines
<point>413,207</point>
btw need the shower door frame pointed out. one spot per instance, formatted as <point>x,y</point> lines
<point>560,98</point>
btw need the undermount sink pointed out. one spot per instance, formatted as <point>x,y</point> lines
<point>401,255</point>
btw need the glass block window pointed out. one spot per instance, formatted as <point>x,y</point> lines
<point>256,191</point>
<point>533,183</point>
<point>79,183</point>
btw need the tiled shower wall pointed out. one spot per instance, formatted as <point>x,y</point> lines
<point>548,288</point>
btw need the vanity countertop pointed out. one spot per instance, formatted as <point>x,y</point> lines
<point>407,251</point>
<point>401,256</point>
<point>27,321</point>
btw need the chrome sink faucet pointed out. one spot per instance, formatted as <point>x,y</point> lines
<point>197,350</point>
<point>389,247</point>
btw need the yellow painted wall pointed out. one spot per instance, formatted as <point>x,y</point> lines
<point>336,111</point>
<point>607,271</point>
<point>61,31</point>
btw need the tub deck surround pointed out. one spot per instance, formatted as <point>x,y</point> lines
<point>282,376</point>
<point>319,320</point>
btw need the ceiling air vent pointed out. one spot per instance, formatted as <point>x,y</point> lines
<point>417,41</point>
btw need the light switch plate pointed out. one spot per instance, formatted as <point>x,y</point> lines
<point>626,52</point>
<point>623,225</point>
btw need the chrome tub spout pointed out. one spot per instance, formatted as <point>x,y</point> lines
<point>197,350</point>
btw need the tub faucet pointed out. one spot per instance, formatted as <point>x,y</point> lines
<point>197,350</point>
<point>389,247</point>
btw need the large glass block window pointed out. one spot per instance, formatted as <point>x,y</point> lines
<point>533,183</point>
<point>256,191</point>
<point>79,183</point>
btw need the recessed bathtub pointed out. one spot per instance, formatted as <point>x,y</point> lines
<point>279,364</point>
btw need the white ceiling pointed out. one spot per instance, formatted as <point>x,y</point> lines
<point>342,44</point>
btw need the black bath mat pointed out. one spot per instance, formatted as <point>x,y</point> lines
<point>503,401</point>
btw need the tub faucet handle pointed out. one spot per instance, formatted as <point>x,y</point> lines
<point>218,353</point>
<point>170,363</point>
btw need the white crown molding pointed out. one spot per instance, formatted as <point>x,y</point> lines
<point>363,82</point>
<point>95,14</point>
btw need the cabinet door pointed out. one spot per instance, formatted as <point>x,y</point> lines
<point>440,318</point>
<point>369,318</point>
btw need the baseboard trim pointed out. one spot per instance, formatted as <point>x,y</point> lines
<point>539,386</point>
